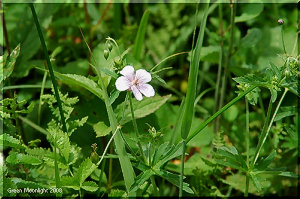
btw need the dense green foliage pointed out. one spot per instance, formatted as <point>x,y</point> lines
<point>223,121</point>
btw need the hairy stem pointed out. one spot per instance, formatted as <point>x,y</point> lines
<point>247,137</point>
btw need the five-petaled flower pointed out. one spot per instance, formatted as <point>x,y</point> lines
<point>135,82</point>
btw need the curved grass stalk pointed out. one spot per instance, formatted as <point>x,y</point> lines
<point>265,134</point>
<point>40,102</point>
<point>224,108</point>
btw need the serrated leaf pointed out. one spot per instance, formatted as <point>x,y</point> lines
<point>85,170</point>
<point>19,158</point>
<point>101,129</point>
<point>89,186</point>
<point>249,11</point>
<point>69,182</point>
<point>61,140</point>
<point>141,108</point>
<point>7,140</point>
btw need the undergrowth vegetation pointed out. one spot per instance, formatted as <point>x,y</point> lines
<point>158,99</point>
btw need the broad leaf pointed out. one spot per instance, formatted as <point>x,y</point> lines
<point>141,179</point>
<point>19,158</point>
<point>101,129</point>
<point>141,108</point>
<point>89,186</point>
<point>249,11</point>
<point>85,170</point>
<point>7,63</point>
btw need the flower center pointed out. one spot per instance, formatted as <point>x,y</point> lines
<point>134,82</point>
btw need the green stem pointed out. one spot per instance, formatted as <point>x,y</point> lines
<point>247,185</point>
<point>37,24</point>
<point>220,62</point>
<point>182,169</point>
<point>40,102</point>
<point>283,45</point>
<point>265,135</point>
<point>224,108</point>
<point>136,131</point>
<point>5,30</point>
<point>126,166</point>
<point>247,146</point>
<point>156,193</point>
<point>224,78</point>
<point>23,86</point>
<point>247,132</point>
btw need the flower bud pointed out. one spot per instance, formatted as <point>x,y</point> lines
<point>280,21</point>
<point>287,72</point>
<point>109,46</point>
<point>106,54</point>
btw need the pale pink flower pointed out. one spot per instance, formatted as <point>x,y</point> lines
<point>135,82</point>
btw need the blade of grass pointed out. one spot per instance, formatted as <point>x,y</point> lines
<point>191,92</point>
<point>139,40</point>
<point>24,86</point>
<point>37,24</point>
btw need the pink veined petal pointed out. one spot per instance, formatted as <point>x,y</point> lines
<point>122,83</point>
<point>143,76</point>
<point>128,72</point>
<point>146,89</point>
<point>137,94</point>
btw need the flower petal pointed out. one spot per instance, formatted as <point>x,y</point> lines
<point>146,89</point>
<point>143,76</point>
<point>137,94</point>
<point>122,83</point>
<point>128,72</point>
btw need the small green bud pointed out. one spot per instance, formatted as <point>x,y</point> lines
<point>106,54</point>
<point>109,46</point>
<point>287,72</point>
<point>94,157</point>
<point>118,62</point>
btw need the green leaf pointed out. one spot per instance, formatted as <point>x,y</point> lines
<point>89,186</point>
<point>249,11</point>
<point>264,163</point>
<point>69,182</point>
<point>139,40</point>
<point>7,140</point>
<point>7,63</point>
<point>85,170</point>
<point>232,113</point>
<point>174,179</point>
<point>252,37</point>
<point>285,112</point>
<point>19,158</point>
<point>101,129</point>
<point>115,94</point>
<point>170,154</point>
<point>141,108</point>
<point>81,81</point>
<point>257,181</point>
<point>231,158</point>
<point>61,140</point>
<point>141,179</point>
<point>192,83</point>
